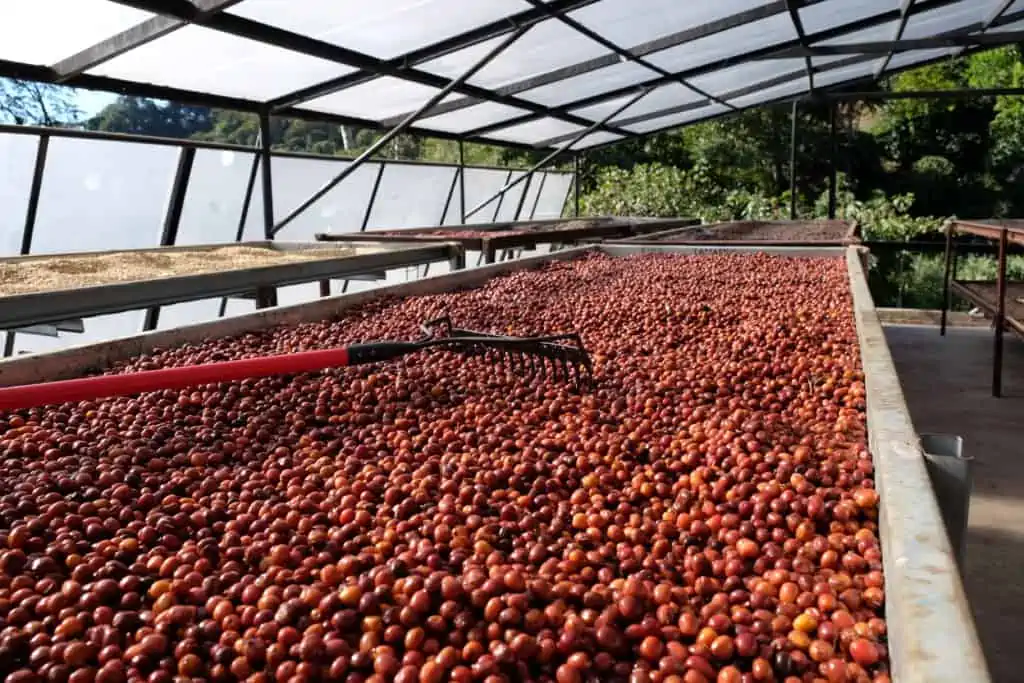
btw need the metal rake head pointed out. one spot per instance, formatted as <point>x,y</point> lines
<point>561,356</point>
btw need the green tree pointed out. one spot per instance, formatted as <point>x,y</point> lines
<point>143,116</point>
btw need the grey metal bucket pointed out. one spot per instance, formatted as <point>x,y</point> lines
<point>950,472</point>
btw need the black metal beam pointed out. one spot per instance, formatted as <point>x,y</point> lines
<point>625,54</point>
<point>397,130</point>
<point>31,211</point>
<point>914,44</point>
<point>172,219</point>
<point>556,153</point>
<point>464,40</point>
<point>462,183</point>
<point>448,200</point>
<point>540,191</point>
<point>501,199</point>
<point>243,217</point>
<point>373,196</point>
<point>42,74</point>
<point>792,161</point>
<point>134,37</point>
<point>840,96</point>
<point>793,6</point>
<point>265,168</point>
<point>905,6</point>
<point>791,48</point>
<point>665,42</point>
<point>576,182</point>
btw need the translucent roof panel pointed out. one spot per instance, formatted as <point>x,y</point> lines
<point>903,60</point>
<point>481,184</point>
<point>589,84</point>
<point>378,99</point>
<point>736,41</point>
<point>539,130</point>
<point>673,120</point>
<point>383,28</point>
<point>201,59</point>
<point>825,15</point>
<point>949,18</point>
<point>629,23</point>
<point>476,116</point>
<point>1006,28</point>
<point>17,162</point>
<point>874,34</point>
<point>596,138</point>
<point>734,78</point>
<point>547,46</point>
<point>47,31</point>
<point>796,87</point>
<point>668,95</point>
<point>844,74</point>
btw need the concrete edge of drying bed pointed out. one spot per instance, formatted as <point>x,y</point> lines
<point>932,637</point>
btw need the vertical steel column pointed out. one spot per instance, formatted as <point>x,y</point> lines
<point>172,220</point>
<point>406,122</point>
<point>575,184</point>
<point>946,294</point>
<point>462,184</point>
<point>35,190</point>
<point>832,179</point>
<point>240,232</point>
<point>792,163</point>
<point>266,296</point>
<point>1000,317</point>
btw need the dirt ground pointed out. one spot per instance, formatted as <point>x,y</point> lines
<point>947,384</point>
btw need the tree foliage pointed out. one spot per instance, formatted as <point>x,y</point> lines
<point>29,103</point>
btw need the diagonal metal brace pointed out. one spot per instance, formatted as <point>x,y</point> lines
<point>397,130</point>
<point>568,145</point>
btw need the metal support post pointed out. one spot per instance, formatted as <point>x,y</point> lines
<point>576,184</point>
<point>401,127</point>
<point>448,200</point>
<point>172,220</point>
<point>31,211</point>
<point>266,296</point>
<point>522,199</point>
<point>540,191</point>
<point>792,163</point>
<point>946,293</point>
<point>268,183</point>
<point>832,179</point>
<point>501,199</point>
<point>246,203</point>
<point>462,184</point>
<point>1000,317</point>
<point>373,197</point>
<point>561,150</point>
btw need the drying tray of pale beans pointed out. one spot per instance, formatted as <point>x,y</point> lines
<point>704,512</point>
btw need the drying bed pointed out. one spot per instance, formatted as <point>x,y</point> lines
<point>985,294</point>
<point>56,287</point>
<point>765,233</point>
<point>493,238</point>
<point>707,509</point>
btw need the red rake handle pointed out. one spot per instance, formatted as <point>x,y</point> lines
<point>104,386</point>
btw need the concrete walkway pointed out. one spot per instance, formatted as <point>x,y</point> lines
<point>947,384</point>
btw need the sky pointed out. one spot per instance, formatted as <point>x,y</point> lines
<point>91,101</point>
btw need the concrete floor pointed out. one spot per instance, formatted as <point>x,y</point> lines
<point>947,384</point>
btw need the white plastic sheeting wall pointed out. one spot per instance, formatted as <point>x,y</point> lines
<point>100,194</point>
